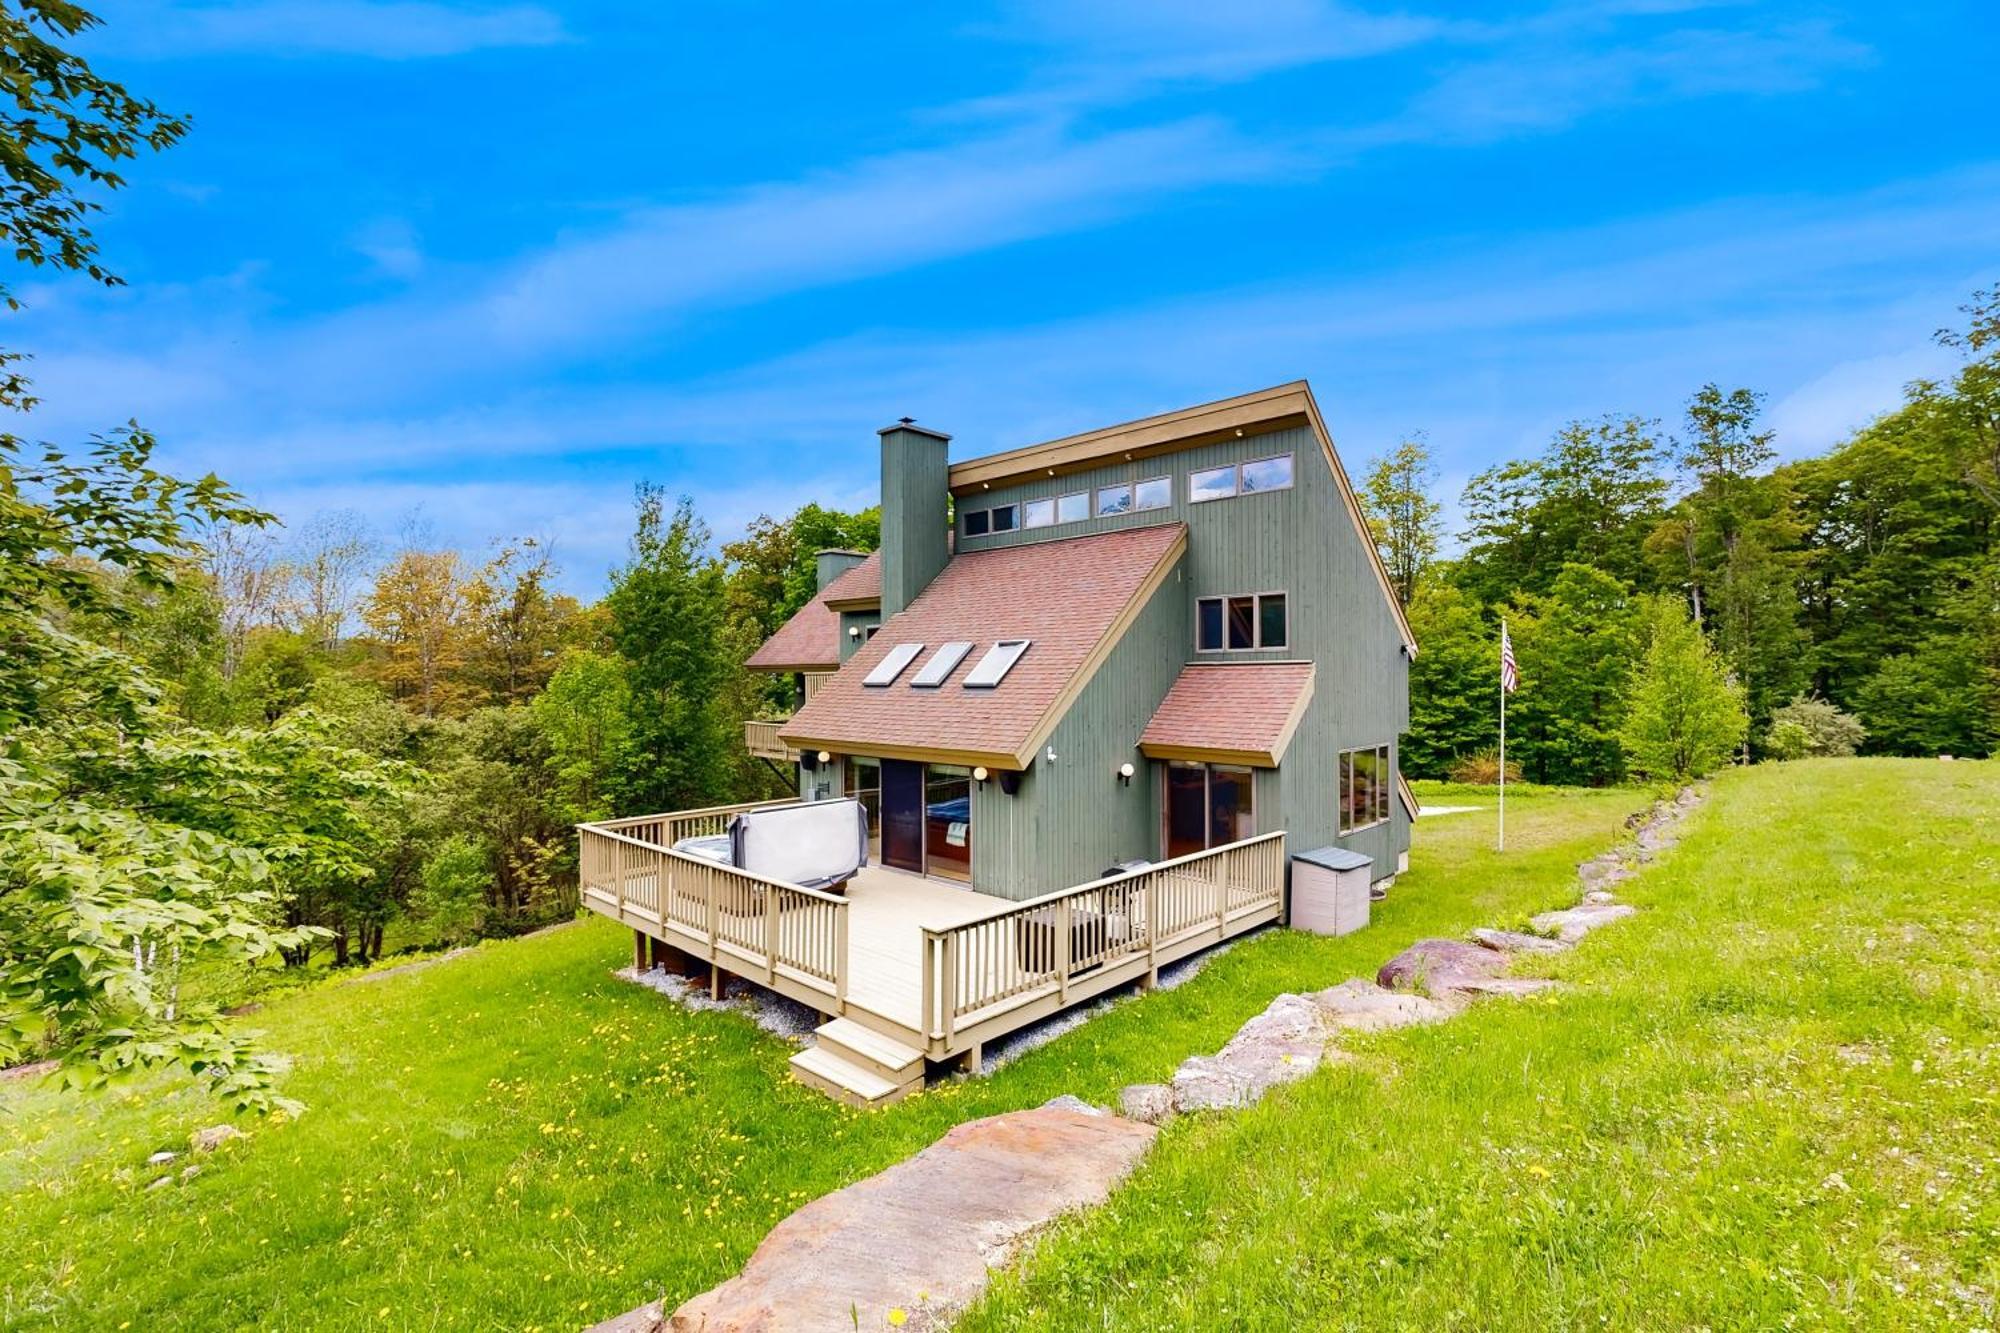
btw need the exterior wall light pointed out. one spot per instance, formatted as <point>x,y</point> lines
<point>824,757</point>
<point>979,774</point>
<point>854,631</point>
<point>1124,775</point>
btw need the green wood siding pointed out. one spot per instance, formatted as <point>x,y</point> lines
<point>1072,817</point>
<point>850,644</point>
<point>916,475</point>
<point>1299,542</point>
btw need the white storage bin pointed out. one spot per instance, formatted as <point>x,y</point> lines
<point>1330,890</point>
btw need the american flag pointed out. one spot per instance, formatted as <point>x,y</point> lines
<point>1510,675</point>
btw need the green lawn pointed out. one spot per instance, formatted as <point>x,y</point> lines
<point>1772,1100</point>
<point>515,1139</point>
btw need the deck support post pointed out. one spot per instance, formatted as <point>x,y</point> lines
<point>969,1061</point>
<point>927,998</point>
<point>714,982</point>
<point>770,936</point>
<point>1062,943</point>
<point>640,947</point>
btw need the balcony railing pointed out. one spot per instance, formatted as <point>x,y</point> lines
<point>760,737</point>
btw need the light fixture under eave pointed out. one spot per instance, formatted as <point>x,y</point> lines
<point>854,631</point>
<point>979,774</point>
<point>1125,775</point>
<point>826,758</point>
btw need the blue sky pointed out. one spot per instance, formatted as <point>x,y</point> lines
<point>488,265</point>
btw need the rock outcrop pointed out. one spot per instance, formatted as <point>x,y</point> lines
<point>1439,967</point>
<point>921,1237</point>
<point>1362,1006</point>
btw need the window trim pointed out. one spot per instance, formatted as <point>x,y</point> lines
<point>1384,787</point>
<point>1235,480</point>
<point>985,517</point>
<point>1256,621</point>
<point>1097,509</point>
<point>1291,478</point>
<point>1235,471</point>
<point>1083,495</point>
<point>1027,513</point>
<point>1167,503</point>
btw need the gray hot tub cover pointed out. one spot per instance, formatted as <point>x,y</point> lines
<point>818,844</point>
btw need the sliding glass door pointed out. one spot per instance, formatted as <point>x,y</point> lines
<point>1207,805</point>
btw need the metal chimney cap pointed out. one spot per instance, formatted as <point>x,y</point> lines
<point>910,424</point>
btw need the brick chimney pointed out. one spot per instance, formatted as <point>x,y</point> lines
<point>916,534</point>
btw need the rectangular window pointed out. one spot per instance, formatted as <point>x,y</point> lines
<point>1153,493</point>
<point>1267,474</point>
<point>993,668</point>
<point>892,665</point>
<point>978,523</point>
<point>1272,629</point>
<point>1208,616</point>
<point>1216,483</point>
<point>864,784</point>
<point>1243,623</point>
<point>1366,777</point>
<point>1038,514</point>
<point>1073,508</point>
<point>932,674</point>
<point>948,821</point>
<point>1005,517</point>
<point>1113,500</point>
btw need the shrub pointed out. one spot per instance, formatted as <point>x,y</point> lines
<point>1813,728</point>
<point>1482,769</point>
<point>1787,740</point>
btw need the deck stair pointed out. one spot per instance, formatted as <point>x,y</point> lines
<point>859,1065</point>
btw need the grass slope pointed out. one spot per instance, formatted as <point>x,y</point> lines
<point>1771,1100</point>
<point>515,1139</point>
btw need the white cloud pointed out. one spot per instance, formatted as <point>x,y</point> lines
<point>1488,350</point>
<point>393,247</point>
<point>374,29</point>
<point>1105,54</point>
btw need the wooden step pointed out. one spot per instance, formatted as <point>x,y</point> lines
<point>841,1079</point>
<point>873,1050</point>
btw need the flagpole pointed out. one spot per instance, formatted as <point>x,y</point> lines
<point>1503,744</point>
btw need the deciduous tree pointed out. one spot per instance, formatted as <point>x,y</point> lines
<point>1403,515</point>
<point>1686,715</point>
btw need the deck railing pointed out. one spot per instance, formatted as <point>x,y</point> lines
<point>666,830</point>
<point>1039,947</point>
<point>751,923</point>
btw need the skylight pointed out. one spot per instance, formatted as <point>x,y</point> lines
<point>993,667</point>
<point>892,666</point>
<point>940,666</point>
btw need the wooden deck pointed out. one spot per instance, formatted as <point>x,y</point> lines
<point>912,970</point>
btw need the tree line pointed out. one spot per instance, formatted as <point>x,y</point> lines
<point>1845,602</point>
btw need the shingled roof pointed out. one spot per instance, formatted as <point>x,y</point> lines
<point>1072,599</point>
<point>810,640</point>
<point>1230,712</point>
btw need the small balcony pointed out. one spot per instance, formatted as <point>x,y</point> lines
<point>760,737</point>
